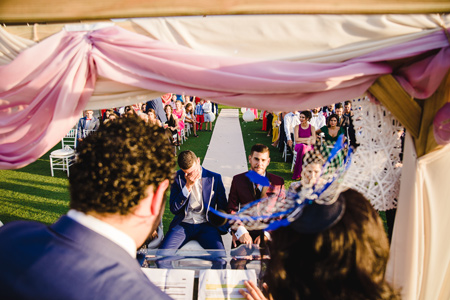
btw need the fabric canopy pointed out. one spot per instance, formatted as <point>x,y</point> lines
<point>267,62</point>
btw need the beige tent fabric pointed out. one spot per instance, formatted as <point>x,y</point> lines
<point>315,38</point>
<point>420,249</point>
<point>11,45</point>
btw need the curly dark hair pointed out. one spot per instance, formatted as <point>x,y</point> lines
<point>117,163</point>
<point>330,117</point>
<point>346,261</point>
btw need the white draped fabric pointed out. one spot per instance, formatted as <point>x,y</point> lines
<point>420,249</point>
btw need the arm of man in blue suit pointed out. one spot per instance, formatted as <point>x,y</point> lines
<point>80,129</point>
<point>220,195</point>
<point>220,201</point>
<point>177,199</point>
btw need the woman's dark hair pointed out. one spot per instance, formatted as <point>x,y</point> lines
<point>171,108</point>
<point>307,114</point>
<point>189,106</point>
<point>332,116</point>
<point>116,164</point>
<point>151,110</point>
<point>346,261</point>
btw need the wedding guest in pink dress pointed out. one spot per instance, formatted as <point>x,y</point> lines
<point>180,113</point>
<point>305,137</point>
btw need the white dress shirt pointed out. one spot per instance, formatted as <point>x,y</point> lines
<point>290,121</point>
<point>317,120</point>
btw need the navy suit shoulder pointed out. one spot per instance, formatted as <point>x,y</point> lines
<point>67,261</point>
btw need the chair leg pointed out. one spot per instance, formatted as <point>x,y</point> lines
<point>294,158</point>
<point>67,166</point>
<point>51,166</point>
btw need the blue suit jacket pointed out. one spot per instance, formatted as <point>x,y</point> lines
<point>67,261</point>
<point>213,194</point>
<point>93,125</point>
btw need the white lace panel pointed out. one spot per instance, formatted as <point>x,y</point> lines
<point>375,169</point>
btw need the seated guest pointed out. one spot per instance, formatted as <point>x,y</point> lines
<point>193,192</point>
<point>317,118</point>
<point>345,259</point>
<point>243,191</point>
<point>117,188</point>
<point>305,138</point>
<point>290,121</point>
<point>129,111</point>
<point>328,110</point>
<point>144,117</point>
<point>106,115</point>
<point>275,128</point>
<point>152,117</point>
<point>171,124</point>
<point>190,117</point>
<point>348,109</point>
<point>158,106</point>
<point>332,131</point>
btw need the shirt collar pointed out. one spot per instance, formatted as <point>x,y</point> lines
<point>110,232</point>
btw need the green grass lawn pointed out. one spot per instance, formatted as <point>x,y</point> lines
<point>31,193</point>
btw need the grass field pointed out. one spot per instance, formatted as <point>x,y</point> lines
<point>31,193</point>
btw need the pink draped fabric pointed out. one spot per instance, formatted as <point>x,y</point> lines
<point>44,90</point>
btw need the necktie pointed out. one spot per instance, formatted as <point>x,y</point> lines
<point>257,191</point>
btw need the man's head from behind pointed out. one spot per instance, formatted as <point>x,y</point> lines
<point>117,164</point>
<point>259,158</point>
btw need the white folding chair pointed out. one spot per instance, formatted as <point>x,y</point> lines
<point>188,128</point>
<point>285,151</point>
<point>70,139</point>
<point>182,136</point>
<point>63,158</point>
<point>294,158</point>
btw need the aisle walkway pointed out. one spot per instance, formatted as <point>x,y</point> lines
<point>225,155</point>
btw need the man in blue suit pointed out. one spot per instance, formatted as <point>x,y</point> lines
<point>117,191</point>
<point>87,124</point>
<point>193,192</point>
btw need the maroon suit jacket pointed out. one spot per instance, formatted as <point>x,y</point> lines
<point>242,191</point>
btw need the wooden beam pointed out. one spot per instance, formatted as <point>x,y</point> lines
<point>426,142</point>
<point>29,11</point>
<point>390,93</point>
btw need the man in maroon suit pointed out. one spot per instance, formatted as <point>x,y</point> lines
<point>243,191</point>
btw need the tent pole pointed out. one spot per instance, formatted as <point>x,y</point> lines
<point>391,94</point>
<point>426,142</point>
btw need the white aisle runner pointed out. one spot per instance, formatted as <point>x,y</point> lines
<point>226,154</point>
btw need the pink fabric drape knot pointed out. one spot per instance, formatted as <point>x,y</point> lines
<point>44,90</point>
